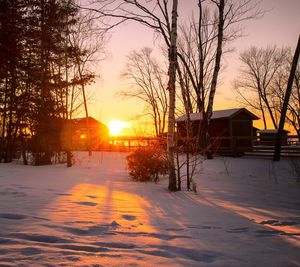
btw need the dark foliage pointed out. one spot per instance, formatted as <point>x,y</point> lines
<point>37,75</point>
<point>146,163</point>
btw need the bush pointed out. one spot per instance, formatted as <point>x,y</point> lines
<point>146,163</point>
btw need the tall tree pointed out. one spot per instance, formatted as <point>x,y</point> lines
<point>11,71</point>
<point>286,101</point>
<point>202,44</point>
<point>172,52</point>
<point>51,20</point>
<point>155,15</point>
<point>86,42</point>
<point>38,74</point>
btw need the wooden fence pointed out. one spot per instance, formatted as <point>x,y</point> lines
<point>268,151</point>
<point>124,143</point>
<point>252,146</point>
<point>232,146</point>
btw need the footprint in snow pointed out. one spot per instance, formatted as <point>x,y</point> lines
<point>278,223</point>
<point>238,230</point>
<point>10,192</point>
<point>86,203</point>
<point>129,217</point>
<point>12,216</point>
<point>262,233</point>
<point>92,197</point>
<point>48,239</point>
<point>175,229</point>
<point>29,251</point>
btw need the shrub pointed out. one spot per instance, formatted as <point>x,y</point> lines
<point>146,163</point>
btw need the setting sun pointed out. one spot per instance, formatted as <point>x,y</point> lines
<point>117,127</point>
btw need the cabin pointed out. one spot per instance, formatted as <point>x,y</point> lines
<point>267,137</point>
<point>231,130</point>
<point>88,133</point>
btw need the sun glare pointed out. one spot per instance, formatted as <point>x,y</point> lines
<point>117,127</point>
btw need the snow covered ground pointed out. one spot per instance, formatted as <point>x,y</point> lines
<point>246,213</point>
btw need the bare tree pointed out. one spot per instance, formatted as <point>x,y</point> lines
<point>202,45</point>
<point>148,85</point>
<point>262,84</point>
<point>156,15</point>
<point>86,42</point>
<point>258,74</point>
<point>278,92</point>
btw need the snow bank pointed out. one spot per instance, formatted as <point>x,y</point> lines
<point>246,213</point>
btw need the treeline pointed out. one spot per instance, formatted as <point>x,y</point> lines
<point>43,73</point>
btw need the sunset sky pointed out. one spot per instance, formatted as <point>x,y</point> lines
<point>280,26</point>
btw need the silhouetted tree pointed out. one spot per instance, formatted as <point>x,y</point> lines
<point>154,14</point>
<point>38,74</point>
<point>202,43</point>
<point>11,72</point>
<point>258,75</point>
<point>148,85</point>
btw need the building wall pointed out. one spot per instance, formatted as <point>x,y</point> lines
<point>231,134</point>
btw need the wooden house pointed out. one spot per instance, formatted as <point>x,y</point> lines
<point>88,133</point>
<point>231,130</point>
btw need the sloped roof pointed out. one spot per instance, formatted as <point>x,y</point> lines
<point>91,120</point>
<point>218,114</point>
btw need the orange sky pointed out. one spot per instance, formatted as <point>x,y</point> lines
<point>279,26</point>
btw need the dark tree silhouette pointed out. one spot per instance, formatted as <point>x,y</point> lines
<point>286,101</point>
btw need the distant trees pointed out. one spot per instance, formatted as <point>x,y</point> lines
<point>259,71</point>
<point>292,116</point>
<point>262,84</point>
<point>37,75</point>
<point>148,84</point>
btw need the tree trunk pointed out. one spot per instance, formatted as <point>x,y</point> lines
<point>23,148</point>
<point>171,87</point>
<point>262,112</point>
<point>68,115</point>
<point>208,113</point>
<point>187,142</point>
<point>9,145</point>
<point>44,150</point>
<point>286,102</point>
<point>85,106</point>
<point>2,149</point>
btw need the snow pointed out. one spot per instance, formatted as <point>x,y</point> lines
<point>246,213</point>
